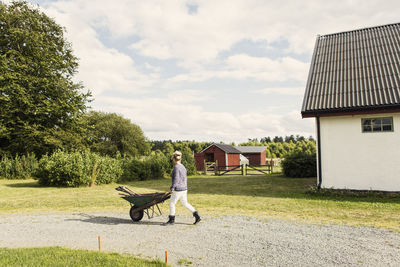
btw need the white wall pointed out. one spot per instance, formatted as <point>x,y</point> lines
<point>352,159</point>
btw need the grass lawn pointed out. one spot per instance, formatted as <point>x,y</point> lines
<point>254,195</point>
<point>56,256</point>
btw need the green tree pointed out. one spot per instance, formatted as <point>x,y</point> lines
<point>40,104</point>
<point>168,149</point>
<point>278,139</point>
<point>188,159</point>
<point>268,154</point>
<point>109,133</point>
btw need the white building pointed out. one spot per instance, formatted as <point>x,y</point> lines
<point>353,92</point>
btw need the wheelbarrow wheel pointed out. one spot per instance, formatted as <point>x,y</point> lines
<point>136,215</point>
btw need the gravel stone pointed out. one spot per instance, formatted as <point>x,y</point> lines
<point>215,241</point>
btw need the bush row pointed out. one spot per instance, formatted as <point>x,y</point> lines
<point>19,167</point>
<point>151,167</point>
<point>300,164</point>
<point>86,168</point>
<point>77,168</point>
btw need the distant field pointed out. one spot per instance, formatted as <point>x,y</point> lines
<point>254,195</point>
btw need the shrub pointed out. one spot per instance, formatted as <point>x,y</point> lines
<point>77,168</point>
<point>187,157</point>
<point>300,164</point>
<point>7,167</point>
<point>151,167</point>
<point>110,169</point>
<point>188,161</point>
<point>19,167</point>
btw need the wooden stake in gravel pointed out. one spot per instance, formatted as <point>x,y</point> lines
<point>166,257</point>
<point>99,244</point>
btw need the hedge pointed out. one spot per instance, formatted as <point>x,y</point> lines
<point>151,167</point>
<point>77,168</point>
<point>300,164</point>
<point>19,167</point>
<point>86,168</point>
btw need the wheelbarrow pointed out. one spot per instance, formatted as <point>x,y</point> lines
<point>143,203</point>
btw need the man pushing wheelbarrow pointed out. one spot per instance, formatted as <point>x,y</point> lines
<point>178,189</point>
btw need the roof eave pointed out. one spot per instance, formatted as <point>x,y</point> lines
<point>351,111</point>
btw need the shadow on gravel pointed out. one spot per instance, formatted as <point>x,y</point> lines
<point>113,220</point>
<point>100,219</point>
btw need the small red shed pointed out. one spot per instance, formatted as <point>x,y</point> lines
<point>255,154</point>
<point>226,156</point>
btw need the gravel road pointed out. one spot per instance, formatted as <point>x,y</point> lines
<point>216,241</point>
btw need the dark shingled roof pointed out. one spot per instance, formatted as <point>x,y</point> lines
<point>354,71</point>
<point>227,148</point>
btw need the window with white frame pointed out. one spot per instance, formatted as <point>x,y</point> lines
<point>371,125</point>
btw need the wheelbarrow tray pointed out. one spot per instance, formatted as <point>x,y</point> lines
<point>142,200</point>
<point>143,203</point>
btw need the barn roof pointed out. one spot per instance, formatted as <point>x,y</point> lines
<point>226,148</point>
<point>251,149</point>
<point>354,71</point>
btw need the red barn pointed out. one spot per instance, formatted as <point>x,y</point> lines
<point>255,154</point>
<point>224,155</point>
<point>228,156</point>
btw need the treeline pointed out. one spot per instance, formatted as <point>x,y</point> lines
<point>279,147</point>
<point>281,139</point>
<point>171,146</point>
<point>276,147</point>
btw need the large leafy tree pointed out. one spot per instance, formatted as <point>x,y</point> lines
<point>40,105</point>
<point>110,133</point>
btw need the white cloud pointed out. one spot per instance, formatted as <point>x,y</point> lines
<point>242,66</point>
<point>262,68</point>
<point>171,118</point>
<point>167,30</point>
<point>282,90</point>
<point>151,49</point>
<point>152,68</point>
<point>100,68</point>
<point>189,96</point>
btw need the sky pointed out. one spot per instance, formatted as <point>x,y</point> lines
<point>211,70</point>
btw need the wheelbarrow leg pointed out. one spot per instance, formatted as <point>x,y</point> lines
<point>160,213</point>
